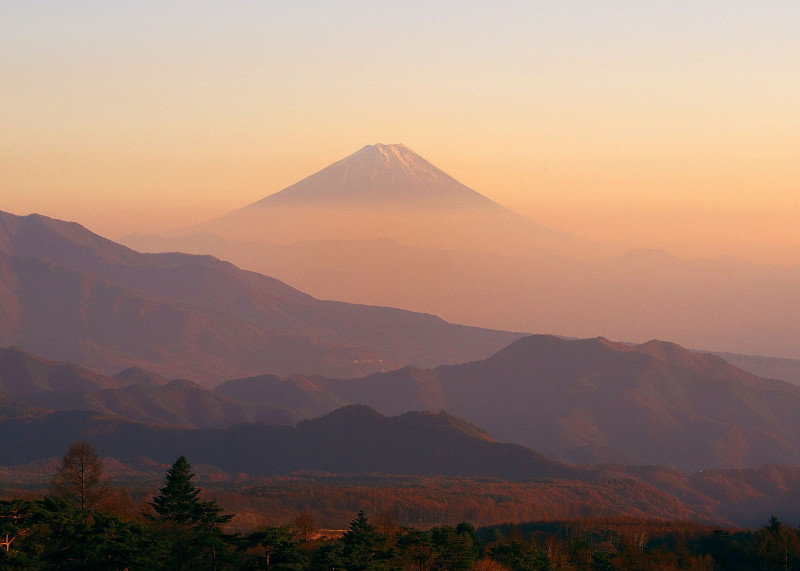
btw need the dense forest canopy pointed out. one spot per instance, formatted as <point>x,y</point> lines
<point>181,527</point>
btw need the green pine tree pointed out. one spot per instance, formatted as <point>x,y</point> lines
<point>363,546</point>
<point>193,526</point>
<point>178,500</point>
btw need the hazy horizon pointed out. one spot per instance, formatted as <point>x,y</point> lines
<point>661,125</point>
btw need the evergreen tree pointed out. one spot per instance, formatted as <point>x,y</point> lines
<point>54,534</point>
<point>363,547</point>
<point>193,526</point>
<point>456,547</point>
<point>178,500</point>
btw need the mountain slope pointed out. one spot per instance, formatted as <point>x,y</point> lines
<point>133,394</point>
<point>351,440</point>
<point>713,304</point>
<point>652,403</point>
<point>71,295</point>
<point>298,393</point>
<point>359,441</point>
<point>24,374</point>
<point>595,400</point>
<point>178,403</point>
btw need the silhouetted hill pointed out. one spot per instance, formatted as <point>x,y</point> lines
<point>296,392</point>
<point>350,440</point>
<point>768,367</point>
<point>11,409</point>
<point>653,403</point>
<point>139,376</point>
<point>357,440</point>
<point>133,394</point>
<point>178,402</point>
<point>593,400</point>
<point>23,374</point>
<point>71,295</point>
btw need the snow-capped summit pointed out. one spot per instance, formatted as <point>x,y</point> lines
<point>396,158</point>
<point>379,174</point>
<point>387,192</point>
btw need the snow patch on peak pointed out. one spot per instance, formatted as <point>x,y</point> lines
<point>395,160</point>
<point>380,173</point>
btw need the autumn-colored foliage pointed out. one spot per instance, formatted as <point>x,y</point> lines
<point>422,524</point>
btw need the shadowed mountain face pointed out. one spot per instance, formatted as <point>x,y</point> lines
<point>14,410</point>
<point>133,394</point>
<point>358,440</point>
<point>588,400</point>
<point>351,440</point>
<point>71,295</point>
<point>22,374</point>
<point>304,395</point>
<point>595,400</point>
<point>389,192</point>
<point>178,403</point>
<point>143,377</point>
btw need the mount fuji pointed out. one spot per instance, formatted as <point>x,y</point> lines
<point>389,192</point>
<point>380,176</point>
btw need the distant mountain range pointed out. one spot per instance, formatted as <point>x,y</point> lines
<point>357,440</point>
<point>70,295</point>
<point>133,394</point>
<point>580,401</point>
<point>351,440</point>
<point>23,374</point>
<point>216,432</point>
<point>587,400</point>
<point>385,227</point>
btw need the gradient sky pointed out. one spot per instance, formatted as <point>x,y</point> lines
<point>657,124</point>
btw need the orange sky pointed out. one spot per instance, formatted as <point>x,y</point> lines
<point>659,124</point>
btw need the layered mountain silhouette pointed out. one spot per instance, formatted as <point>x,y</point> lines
<point>358,441</point>
<point>70,295</point>
<point>384,227</point>
<point>133,394</point>
<point>306,396</point>
<point>590,400</point>
<point>351,440</point>
<point>23,374</point>
<point>178,403</point>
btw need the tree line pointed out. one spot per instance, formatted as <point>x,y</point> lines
<point>80,526</point>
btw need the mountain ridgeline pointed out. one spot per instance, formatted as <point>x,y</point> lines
<point>240,430</point>
<point>589,400</point>
<point>71,295</point>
